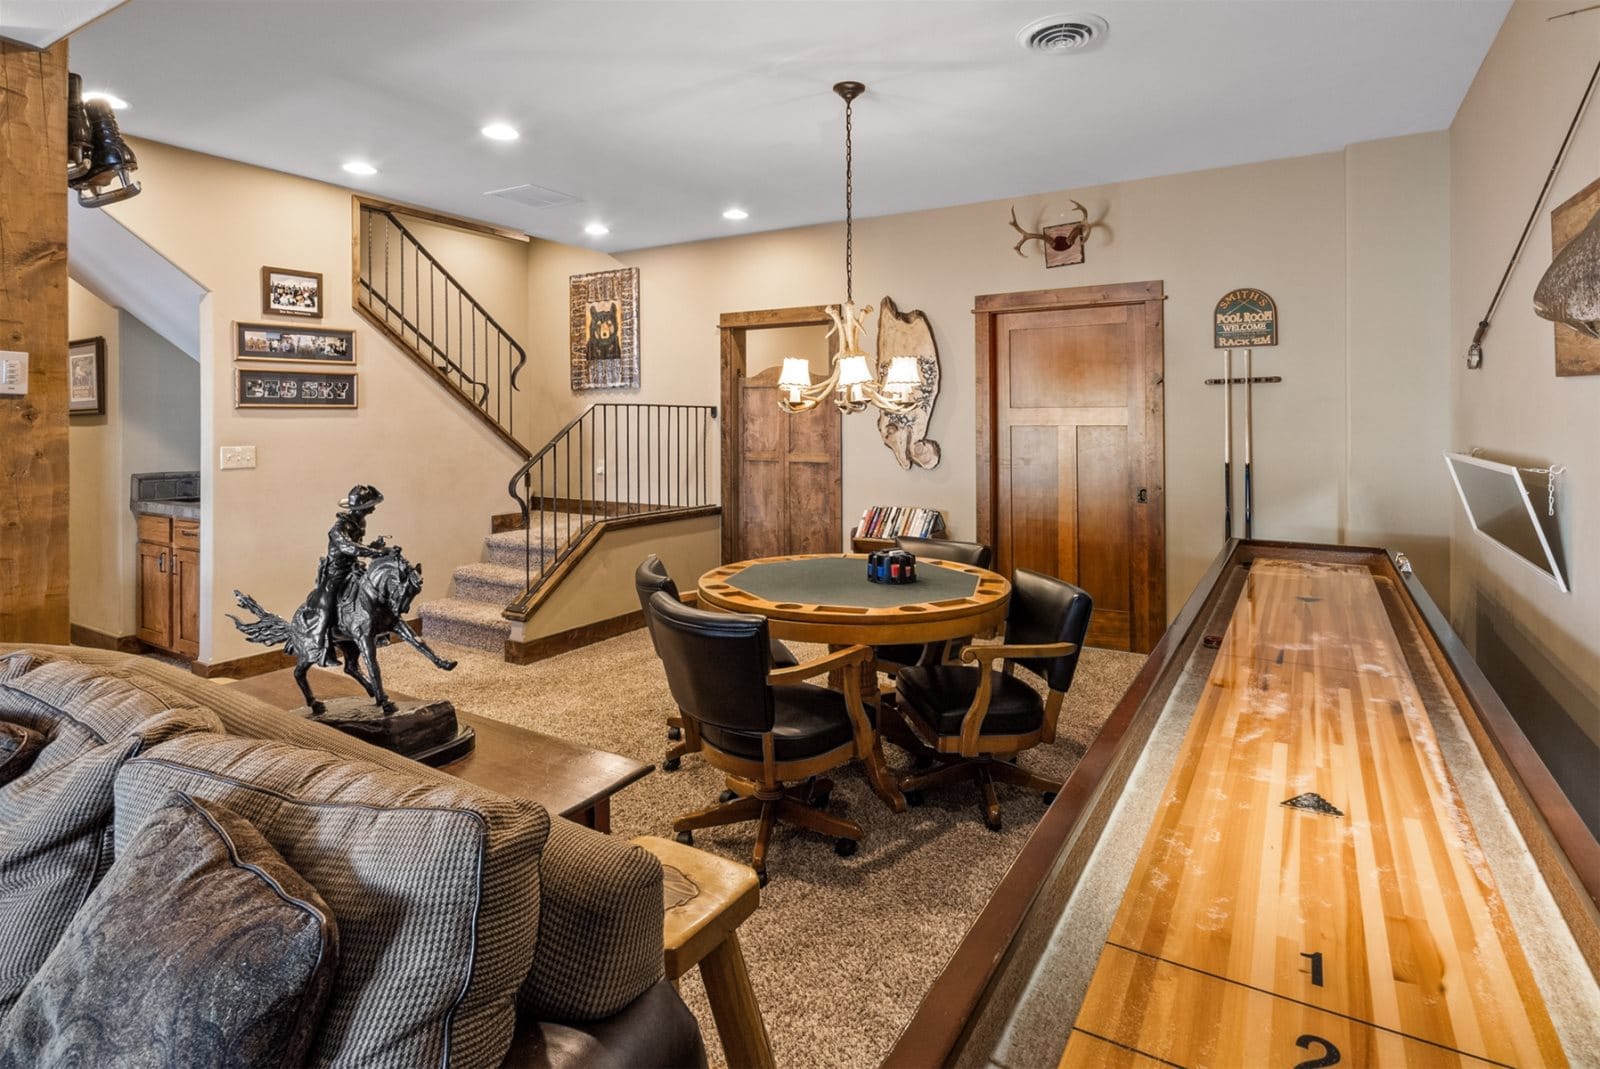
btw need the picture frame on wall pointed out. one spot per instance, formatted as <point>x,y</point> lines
<point>265,387</point>
<point>299,345</point>
<point>604,329</point>
<point>86,377</point>
<point>286,292</point>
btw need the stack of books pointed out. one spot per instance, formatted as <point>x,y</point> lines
<point>892,521</point>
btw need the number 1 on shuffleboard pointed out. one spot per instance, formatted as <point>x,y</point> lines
<point>1316,967</point>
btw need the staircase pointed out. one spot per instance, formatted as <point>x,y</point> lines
<point>474,615</point>
<point>409,296</point>
<point>616,465</point>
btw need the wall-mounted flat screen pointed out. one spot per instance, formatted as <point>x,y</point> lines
<point>1498,503</point>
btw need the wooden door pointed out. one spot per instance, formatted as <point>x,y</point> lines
<point>1070,417</point>
<point>155,594</point>
<point>186,602</point>
<point>782,489</point>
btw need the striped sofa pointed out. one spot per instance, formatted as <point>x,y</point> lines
<point>474,929</point>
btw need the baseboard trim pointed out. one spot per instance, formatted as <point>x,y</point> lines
<point>547,646</point>
<point>99,640</point>
<point>257,664</point>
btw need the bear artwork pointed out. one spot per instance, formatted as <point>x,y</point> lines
<point>604,343</point>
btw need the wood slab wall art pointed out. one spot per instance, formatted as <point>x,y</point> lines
<point>906,433</point>
<point>604,315</point>
<point>1576,352</point>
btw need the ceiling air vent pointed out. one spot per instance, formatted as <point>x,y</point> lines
<point>532,196</point>
<point>1059,35</point>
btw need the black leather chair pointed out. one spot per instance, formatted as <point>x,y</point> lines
<point>972,719</point>
<point>760,725</point>
<point>649,577</point>
<point>892,659</point>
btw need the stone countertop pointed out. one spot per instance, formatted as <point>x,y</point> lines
<point>182,510</point>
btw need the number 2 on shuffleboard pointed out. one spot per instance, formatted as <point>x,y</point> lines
<point>1330,1053</point>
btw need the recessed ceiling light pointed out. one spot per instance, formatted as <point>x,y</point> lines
<point>736,214</point>
<point>116,102</point>
<point>500,131</point>
<point>360,167</point>
<point>597,230</point>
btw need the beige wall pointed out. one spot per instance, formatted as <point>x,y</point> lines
<point>101,595</point>
<point>263,529</point>
<point>1302,229</point>
<point>1540,647</point>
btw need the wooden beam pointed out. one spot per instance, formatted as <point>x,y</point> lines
<point>33,319</point>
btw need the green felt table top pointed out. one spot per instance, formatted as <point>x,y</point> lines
<point>843,581</point>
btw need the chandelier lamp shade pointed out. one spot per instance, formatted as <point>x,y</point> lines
<point>852,382</point>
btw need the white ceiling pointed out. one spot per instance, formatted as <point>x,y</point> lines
<point>41,23</point>
<point>661,113</point>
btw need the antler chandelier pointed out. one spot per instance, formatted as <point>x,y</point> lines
<point>851,381</point>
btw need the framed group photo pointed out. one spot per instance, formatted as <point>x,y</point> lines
<point>316,345</point>
<point>86,377</point>
<point>274,388</point>
<point>291,293</point>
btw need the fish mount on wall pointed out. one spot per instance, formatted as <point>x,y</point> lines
<point>906,433</point>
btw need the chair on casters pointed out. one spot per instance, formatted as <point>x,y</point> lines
<point>891,659</point>
<point>973,719</point>
<point>649,577</point>
<point>759,724</point>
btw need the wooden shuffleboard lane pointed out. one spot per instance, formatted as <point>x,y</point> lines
<point>1359,925</point>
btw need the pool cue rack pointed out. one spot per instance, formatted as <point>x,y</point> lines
<point>1248,381</point>
<point>1239,380</point>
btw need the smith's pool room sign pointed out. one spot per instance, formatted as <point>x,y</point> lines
<point>1246,319</point>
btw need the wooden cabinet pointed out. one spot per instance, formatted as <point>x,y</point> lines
<point>169,584</point>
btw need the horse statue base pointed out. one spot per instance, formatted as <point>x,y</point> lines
<point>425,731</point>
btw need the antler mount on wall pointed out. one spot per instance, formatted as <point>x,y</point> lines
<point>1063,242</point>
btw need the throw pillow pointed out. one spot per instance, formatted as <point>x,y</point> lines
<point>18,745</point>
<point>435,884</point>
<point>200,947</point>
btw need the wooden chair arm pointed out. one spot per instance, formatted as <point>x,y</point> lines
<point>799,673</point>
<point>990,654</point>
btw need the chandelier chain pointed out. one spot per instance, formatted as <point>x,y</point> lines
<point>849,197</point>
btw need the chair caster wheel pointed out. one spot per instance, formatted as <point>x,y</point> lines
<point>844,847</point>
<point>674,734</point>
<point>1049,797</point>
<point>727,796</point>
<point>994,827</point>
<point>761,877</point>
<point>685,837</point>
<point>671,764</point>
<point>913,798</point>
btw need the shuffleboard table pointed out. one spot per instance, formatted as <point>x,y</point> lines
<point>1309,835</point>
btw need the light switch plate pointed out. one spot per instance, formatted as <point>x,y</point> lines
<point>13,372</point>
<point>238,456</point>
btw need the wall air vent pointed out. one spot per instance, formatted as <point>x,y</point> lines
<point>532,196</point>
<point>1059,35</point>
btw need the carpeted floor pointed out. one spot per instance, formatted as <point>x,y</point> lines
<point>842,949</point>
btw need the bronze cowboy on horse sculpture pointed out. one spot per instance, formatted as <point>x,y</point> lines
<point>353,607</point>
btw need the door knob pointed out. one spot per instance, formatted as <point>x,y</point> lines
<point>1144,496</point>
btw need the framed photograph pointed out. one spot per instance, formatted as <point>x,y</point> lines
<point>291,293</point>
<point>86,377</point>
<point>265,387</point>
<point>311,345</point>
<point>604,307</point>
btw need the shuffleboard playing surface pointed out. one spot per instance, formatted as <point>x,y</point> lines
<point>1311,892</point>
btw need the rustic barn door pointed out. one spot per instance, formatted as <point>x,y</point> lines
<point>782,489</point>
<point>1071,453</point>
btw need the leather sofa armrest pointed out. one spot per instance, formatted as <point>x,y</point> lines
<point>654,1029</point>
<point>600,916</point>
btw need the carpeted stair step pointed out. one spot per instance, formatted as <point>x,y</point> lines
<point>465,622</point>
<point>512,547</point>
<point>498,584</point>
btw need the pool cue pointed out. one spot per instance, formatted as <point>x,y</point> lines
<point>1227,444</point>
<point>1249,439</point>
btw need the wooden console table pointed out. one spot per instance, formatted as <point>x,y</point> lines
<point>568,779</point>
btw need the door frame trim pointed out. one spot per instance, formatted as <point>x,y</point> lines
<point>733,327</point>
<point>986,309</point>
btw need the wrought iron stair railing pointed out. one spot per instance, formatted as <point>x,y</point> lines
<point>614,464</point>
<point>405,291</point>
